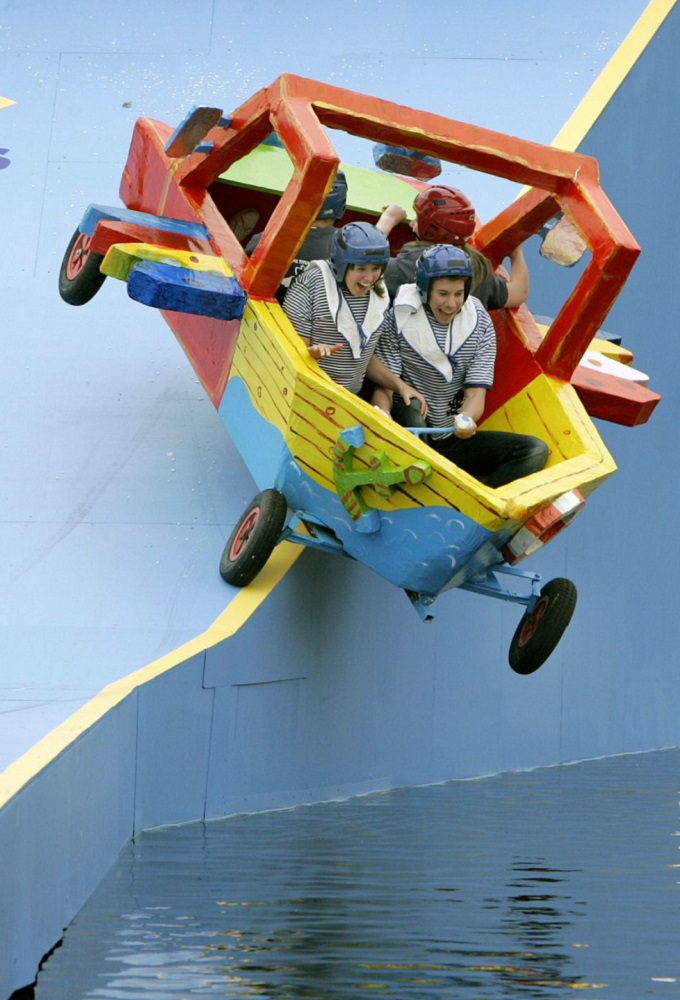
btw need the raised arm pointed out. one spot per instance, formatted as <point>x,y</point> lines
<point>392,215</point>
<point>518,280</point>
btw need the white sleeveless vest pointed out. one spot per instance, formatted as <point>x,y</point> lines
<point>414,326</point>
<point>342,314</point>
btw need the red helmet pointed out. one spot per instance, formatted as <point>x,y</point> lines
<point>444,215</point>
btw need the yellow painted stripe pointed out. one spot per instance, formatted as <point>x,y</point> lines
<point>573,132</point>
<point>6,101</point>
<point>122,257</point>
<point>245,603</point>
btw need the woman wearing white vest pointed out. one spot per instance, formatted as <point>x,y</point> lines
<point>441,340</point>
<point>339,307</point>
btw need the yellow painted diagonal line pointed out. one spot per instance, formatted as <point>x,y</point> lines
<point>591,106</point>
<point>240,609</point>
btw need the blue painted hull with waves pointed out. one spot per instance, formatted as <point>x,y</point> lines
<point>426,549</point>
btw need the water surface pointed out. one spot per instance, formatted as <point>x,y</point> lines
<point>521,885</point>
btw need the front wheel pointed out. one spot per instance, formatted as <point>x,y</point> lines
<point>79,276</point>
<point>541,629</point>
<point>254,538</point>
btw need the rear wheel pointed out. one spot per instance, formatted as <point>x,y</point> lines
<point>541,629</point>
<point>254,538</point>
<point>79,276</point>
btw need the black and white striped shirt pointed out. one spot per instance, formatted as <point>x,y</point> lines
<point>306,305</point>
<point>472,364</point>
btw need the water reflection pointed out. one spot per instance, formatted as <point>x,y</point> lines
<point>519,885</point>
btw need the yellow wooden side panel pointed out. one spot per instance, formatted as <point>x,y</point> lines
<point>551,410</point>
<point>320,409</point>
<point>266,363</point>
<point>292,393</point>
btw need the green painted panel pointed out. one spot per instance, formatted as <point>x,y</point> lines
<point>268,168</point>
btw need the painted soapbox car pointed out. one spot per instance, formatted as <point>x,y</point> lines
<point>334,473</point>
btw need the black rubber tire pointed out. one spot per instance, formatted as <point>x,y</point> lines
<point>254,538</point>
<point>541,629</point>
<point>79,276</point>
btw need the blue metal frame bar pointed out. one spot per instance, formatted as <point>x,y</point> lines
<point>322,539</point>
<point>490,585</point>
<point>433,431</point>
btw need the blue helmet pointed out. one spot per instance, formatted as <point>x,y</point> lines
<point>358,243</point>
<point>336,199</point>
<point>443,260</point>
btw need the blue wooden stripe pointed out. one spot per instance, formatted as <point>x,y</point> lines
<point>95,213</point>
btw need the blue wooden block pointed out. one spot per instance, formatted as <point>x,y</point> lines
<point>397,160</point>
<point>273,140</point>
<point>95,213</point>
<point>193,129</point>
<point>179,289</point>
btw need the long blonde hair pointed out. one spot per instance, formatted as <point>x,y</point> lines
<point>481,267</point>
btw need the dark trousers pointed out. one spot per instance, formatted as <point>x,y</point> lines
<point>494,457</point>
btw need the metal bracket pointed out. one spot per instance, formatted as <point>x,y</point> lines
<point>487,584</point>
<point>490,585</point>
<point>317,537</point>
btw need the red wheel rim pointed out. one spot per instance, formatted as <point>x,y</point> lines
<point>243,534</point>
<point>530,626</point>
<point>78,256</point>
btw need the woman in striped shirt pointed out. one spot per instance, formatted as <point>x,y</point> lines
<point>442,341</point>
<point>339,308</point>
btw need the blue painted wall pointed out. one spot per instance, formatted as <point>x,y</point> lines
<point>123,487</point>
<point>624,552</point>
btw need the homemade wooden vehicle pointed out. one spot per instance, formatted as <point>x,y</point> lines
<point>334,473</point>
